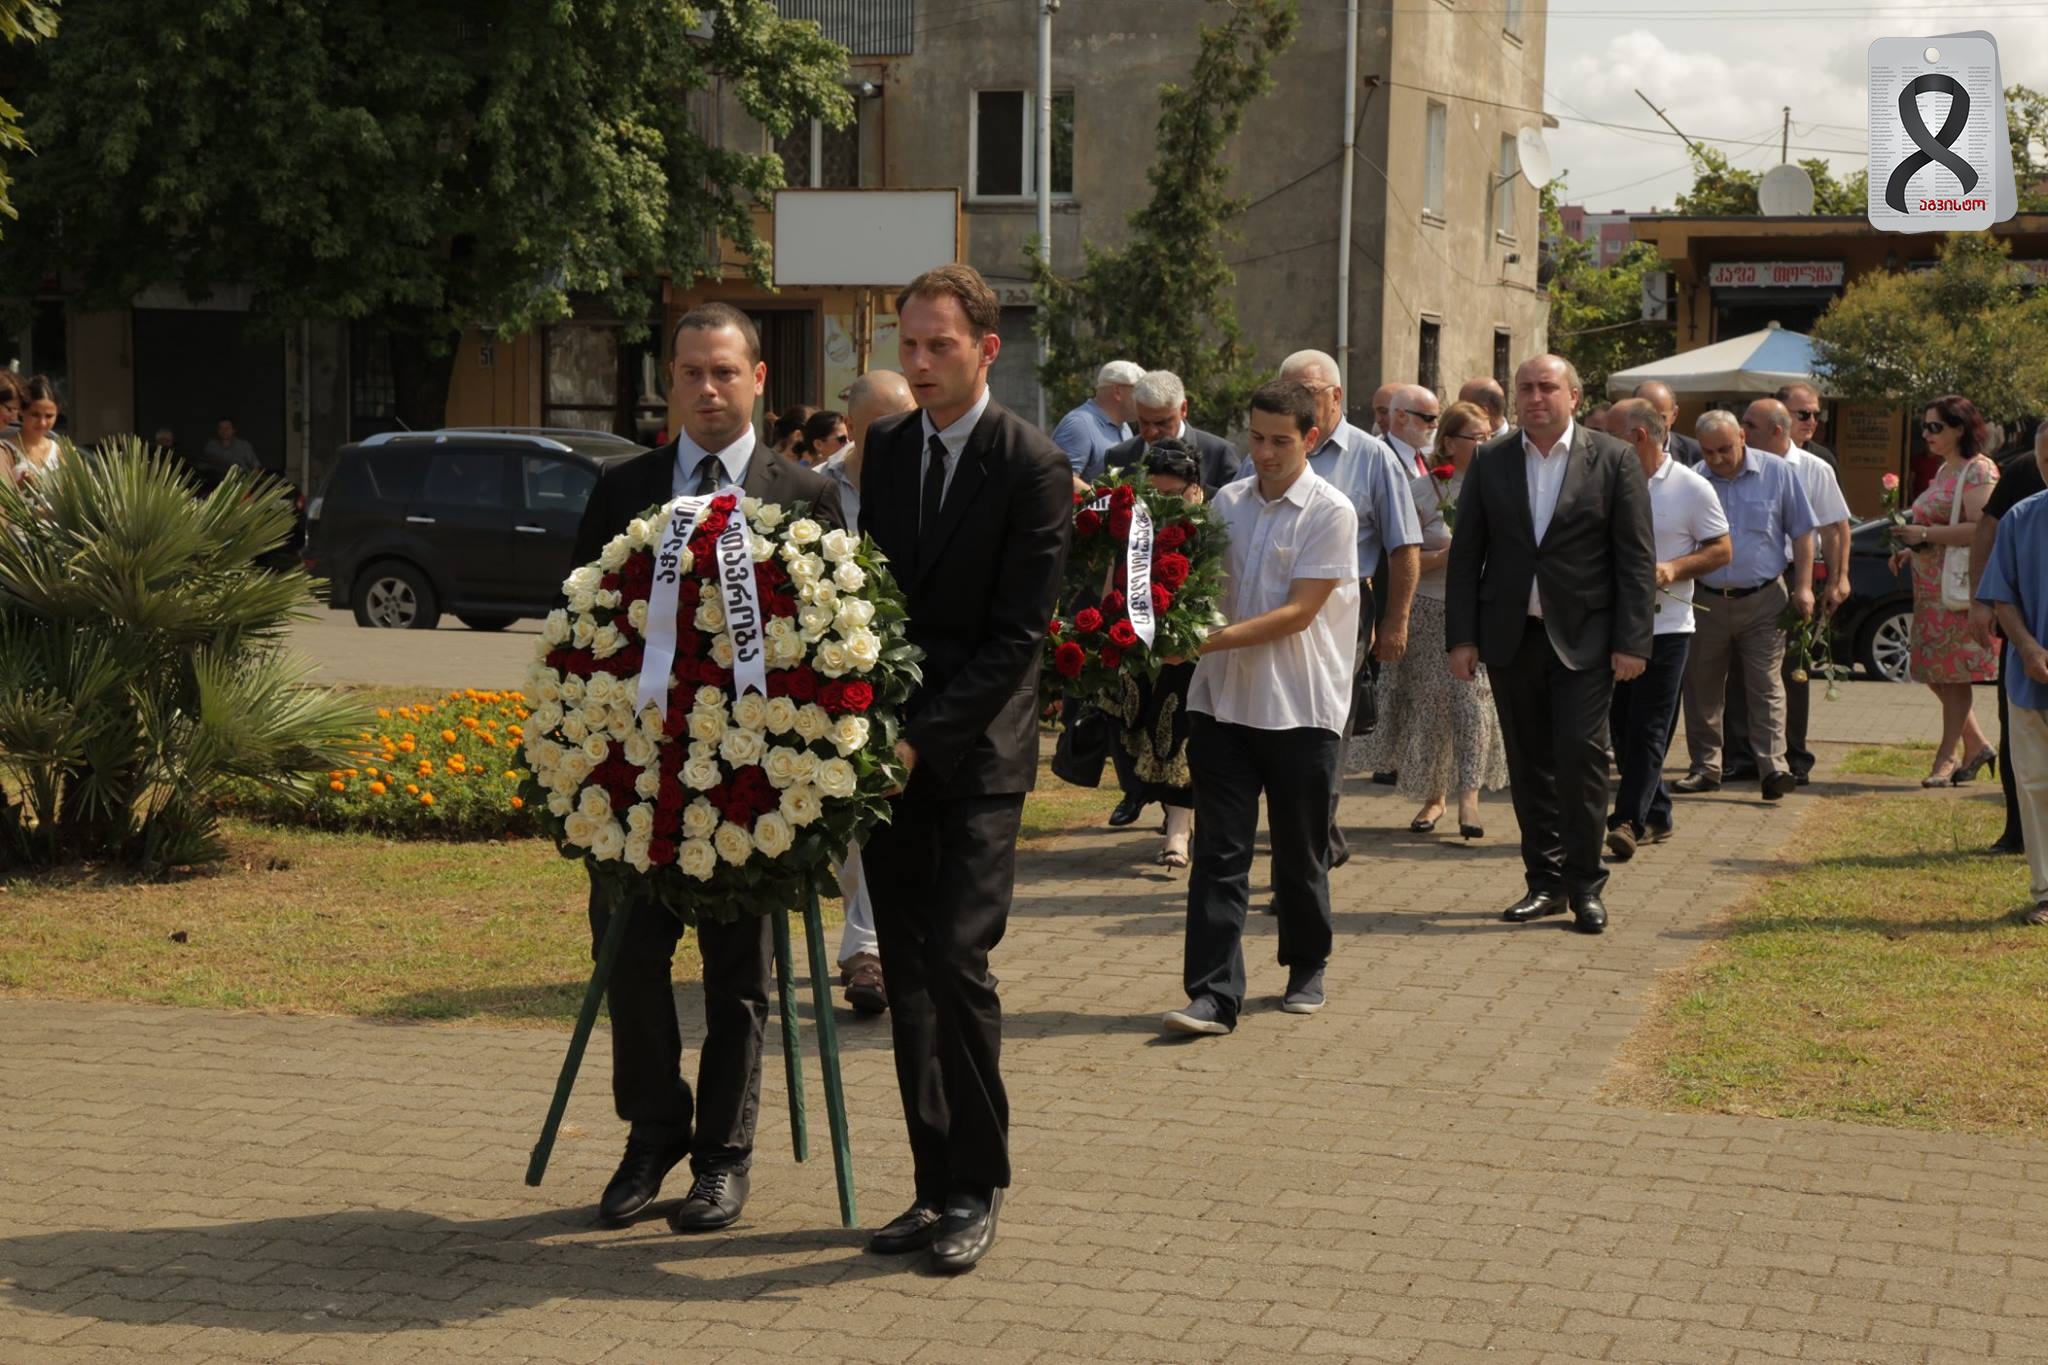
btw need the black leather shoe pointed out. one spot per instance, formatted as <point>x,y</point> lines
<point>1535,905</point>
<point>914,1229</point>
<point>1589,914</point>
<point>1127,812</point>
<point>714,1201</point>
<point>1779,785</point>
<point>2006,846</point>
<point>1694,783</point>
<point>651,1153</point>
<point>966,1232</point>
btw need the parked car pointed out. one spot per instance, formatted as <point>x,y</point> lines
<point>476,523</point>
<point>1873,628</point>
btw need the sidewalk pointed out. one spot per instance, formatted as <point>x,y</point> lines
<point>1419,1173</point>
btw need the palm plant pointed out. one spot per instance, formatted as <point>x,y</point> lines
<point>143,661</point>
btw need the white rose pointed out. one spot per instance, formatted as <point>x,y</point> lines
<point>696,858</point>
<point>854,614</point>
<point>707,723</point>
<point>734,844</point>
<point>640,533</point>
<point>750,507</point>
<point>864,649</point>
<point>700,819</point>
<point>781,715</point>
<point>609,843</point>
<point>651,721</point>
<point>784,767</point>
<point>648,784</point>
<point>594,804</point>
<point>832,659</point>
<point>815,620</point>
<point>597,689</point>
<point>597,747</point>
<point>710,617</point>
<point>770,516</point>
<point>639,818</point>
<point>638,853</point>
<point>760,549</point>
<point>579,829</point>
<point>621,727</point>
<point>640,750</point>
<point>584,579</point>
<point>809,771</point>
<point>606,643</point>
<point>839,546</point>
<point>614,554</point>
<point>555,629</point>
<point>836,779</point>
<point>608,598</point>
<point>772,835</point>
<point>850,734</point>
<point>803,569</point>
<point>709,696</point>
<point>572,689</point>
<point>824,594</point>
<point>580,604</point>
<point>580,634</point>
<point>576,766</point>
<point>721,652</point>
<point>548,688</point>
<point>559,805</point>
<point>804,531</point>
<point>750,712</point>
<point>784,651</point>
<point>742,748</point>
<point>700,749</point>
<point>802,804</point>
<point>574,727</point>
<point>700,774</point>
<point>636,615</point>
<point>850,577</point>
<point>812,722</point>
<point>547,716</point>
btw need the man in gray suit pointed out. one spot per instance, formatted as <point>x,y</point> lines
<point>1552,584</point>
<point>1162,404</point>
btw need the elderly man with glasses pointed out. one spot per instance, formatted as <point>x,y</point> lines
<point>1413,415</point>
<point>1803,402</point>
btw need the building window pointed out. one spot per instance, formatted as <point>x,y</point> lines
<point>1004,150</point>
<point>372,386</point>
<point>1511,19</point>
<point>1504,191</point>
<point>593,379</point>
<point>1433,163</point>
<point>815,157</point>
<point>1503,366</point>
<point>1427,348</point>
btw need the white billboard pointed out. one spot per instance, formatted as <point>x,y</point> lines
<point>863,238</point>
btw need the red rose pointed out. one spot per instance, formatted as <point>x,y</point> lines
<point>660,852</point>
<point>1162,598</point>
<point>832,696</point>
<point>1445,472</point>
<point>1171,569</point>
<point>803,684</point>
<point>1087,620</point>
<point>1069,659</point>
<point>1080,496</point>
<point>1120,522</point>
<point>608,583</point>
<point>1087,523</point>
<point>1170,537</point>
<point>858,697</point>
<point>1111,657</point>
<point>1113,602</point>
<point>1123,497</point>
<point>1122,635</point>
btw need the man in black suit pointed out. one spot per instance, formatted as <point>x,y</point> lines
<point>1803,402</point>
<point>1552,584</point>
<point>974,507</point>
<point>1162,404</point>
<point>1677,445</point>
<point>716,375</point>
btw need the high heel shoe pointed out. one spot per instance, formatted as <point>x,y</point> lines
<point>1986,758</point>
<point>1471,831</point>
<point>1938,778</point>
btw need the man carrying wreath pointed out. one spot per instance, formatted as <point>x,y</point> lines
<point>716,377</point>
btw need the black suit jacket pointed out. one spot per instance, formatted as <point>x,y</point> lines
<point>1685,449</point>
<point>1221,461</point>
<point>629,488</point>
<point>981,587</point>
<point>1595,570</point>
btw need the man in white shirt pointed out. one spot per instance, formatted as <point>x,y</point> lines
<point>1087,432</point>
<point>1767,425</point>
<point>1411,431</point>
<point>1266,710</point>
<point>1692,539</point>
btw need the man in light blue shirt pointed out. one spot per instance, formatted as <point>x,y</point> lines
<point>1362,468</point>
<point>1740,605</point>
<point>1087,433</point>
<point>2015,585</point>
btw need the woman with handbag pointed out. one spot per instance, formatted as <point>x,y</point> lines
<point>1936,539</point>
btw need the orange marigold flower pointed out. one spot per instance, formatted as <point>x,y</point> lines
<point>407,747</point>
<point>517,804</point>
<point>378,789</point>
<point>383,713</point>
<point>447,736</point>
<point>469,722</point>
<point>337,786</point>
<point>426,798</point>
<point>412,789</point>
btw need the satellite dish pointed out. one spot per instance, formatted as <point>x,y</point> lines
<point>1785,192</point>
<point>1532,158</point>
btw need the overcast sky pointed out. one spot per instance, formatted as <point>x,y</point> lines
<point>1723,70</point>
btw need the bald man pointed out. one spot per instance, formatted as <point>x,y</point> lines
<point>1486,394</point>
<point>1677,445</point>
<point>1382,405</point>
<point>1412,415</point>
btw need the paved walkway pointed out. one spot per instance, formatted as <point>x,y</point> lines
<point>1419,1173</point>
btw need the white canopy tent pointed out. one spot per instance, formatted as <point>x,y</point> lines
<point>1761,362</point>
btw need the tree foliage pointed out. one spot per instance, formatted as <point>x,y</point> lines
<point>1596,311</point>
<point>2026,114</point>
<point>1968,326</point>
<point>433,166</point>
<point>1164,295</point>
<point>21,21</point>
<point>1720,189</point>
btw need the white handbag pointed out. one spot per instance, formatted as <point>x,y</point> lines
<point>1955,559</point>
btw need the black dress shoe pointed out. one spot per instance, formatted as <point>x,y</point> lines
<point>651,1153</point>
<point>1535,905</point>
<point>914,1229</point>
<point>1693,783</point>
<point>1779,785</point>
<point>714,1201</point>
<point>1127,812</point>
<point>2006,846</point>
<point>966,1232</point>
<point>1589,914</point>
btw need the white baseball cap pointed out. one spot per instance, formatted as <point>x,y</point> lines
<point>1118,372</point>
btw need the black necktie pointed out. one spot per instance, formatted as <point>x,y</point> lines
<point>934,485</point>
<point>707,475</point>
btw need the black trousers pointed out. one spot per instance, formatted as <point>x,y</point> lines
<point>1553,722</point>
<point>1740,753</point>
<point>1127,779</point>
<point>1641,721</point>
<point>941,873</point>
<point>1297,771</point>
<point>2014,834</point>
<point>647,1044</point>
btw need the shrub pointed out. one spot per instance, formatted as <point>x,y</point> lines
<point>446,769</point>
<point>142,660</point>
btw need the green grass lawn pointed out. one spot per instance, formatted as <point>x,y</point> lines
<point>1888,760</point>
<point>1883,976</point>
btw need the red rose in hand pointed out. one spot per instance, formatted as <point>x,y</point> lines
<point>1170,537</point>
<point>1087,620</point>
<point>1113,602</point>
<point>1171,569</point>
<point>1068,659</point>
<point>1123,497</point>
<point>1120,522</point>
<point>1122,635</point>
<point>1445,472</point>
<point>1112,657</point>
<point>1162,598</point>
<point>857,697</point>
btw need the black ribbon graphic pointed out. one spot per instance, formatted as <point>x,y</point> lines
<point>1933,147</point>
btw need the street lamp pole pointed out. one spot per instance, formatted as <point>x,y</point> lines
<point>1043,169</point>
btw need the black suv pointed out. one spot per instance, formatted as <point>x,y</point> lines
<point>480,523</point>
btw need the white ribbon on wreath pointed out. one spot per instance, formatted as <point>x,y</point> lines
<point>739,598</point>
<point>1137,568</point>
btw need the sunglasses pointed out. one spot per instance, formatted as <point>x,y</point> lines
<point>1936,428</point>
<point>1807,414</point>
<point>1428,419</point>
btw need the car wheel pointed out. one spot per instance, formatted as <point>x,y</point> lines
<point>396,596</point>
<point>486,622</point>
<point>1886,649</point>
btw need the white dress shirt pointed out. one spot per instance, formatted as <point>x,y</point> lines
<point>732,462</point>
<point>1544,470</point>
<point>1822,489</point>
<point>953,438</point>
<point>1413,460</point>
<point>1302,680</point>
<point>1686,515</point>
